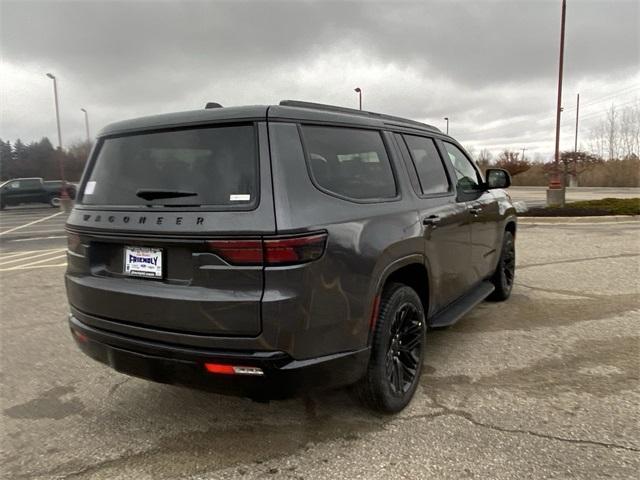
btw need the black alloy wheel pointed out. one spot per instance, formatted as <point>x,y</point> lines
<point>505,273</point>
<point>403,352</point>
<point>397,351</point>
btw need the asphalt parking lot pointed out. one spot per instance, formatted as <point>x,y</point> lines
<point>545,385</point>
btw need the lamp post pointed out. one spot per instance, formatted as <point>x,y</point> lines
<point>86,123</point>
<point>447,119</point>
<point>55,97</point>
<point>556,190</point>
<point>64,196</point>
<point>358,90</point>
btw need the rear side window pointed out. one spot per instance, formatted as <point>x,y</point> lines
<point>196,167</point>
<point>428,164</point>
<point>349,162</point>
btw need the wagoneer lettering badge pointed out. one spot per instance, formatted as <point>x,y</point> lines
<point>159,220</point>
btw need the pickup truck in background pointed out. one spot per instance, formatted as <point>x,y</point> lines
<point>33,190</point>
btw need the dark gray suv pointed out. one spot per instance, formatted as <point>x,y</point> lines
<point>267,250</point>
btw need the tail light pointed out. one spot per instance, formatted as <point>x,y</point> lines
<point>270,251</point>
<point>73,242</point>
<point>238,252</point>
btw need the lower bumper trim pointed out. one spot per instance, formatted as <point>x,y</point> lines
<point>281,377</point>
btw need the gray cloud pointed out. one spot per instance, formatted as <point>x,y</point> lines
<point>476,61</point>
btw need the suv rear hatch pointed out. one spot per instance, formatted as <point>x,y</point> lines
<point>144,239</point>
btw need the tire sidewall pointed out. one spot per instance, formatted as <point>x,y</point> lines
<point>398,296</point>
<point>54,201</point>
<point>507,244</point>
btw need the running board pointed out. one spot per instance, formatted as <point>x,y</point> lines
<point>460,307</point>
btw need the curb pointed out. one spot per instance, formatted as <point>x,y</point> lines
<point>579,220</point>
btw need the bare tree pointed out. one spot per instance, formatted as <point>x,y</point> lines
<point>510,161</point>
<point>484,158</point>
<point>618,134</point>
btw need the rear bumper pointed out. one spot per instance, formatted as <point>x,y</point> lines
<point>165,363</point>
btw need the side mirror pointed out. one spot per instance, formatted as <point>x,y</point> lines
<point>497,178</point>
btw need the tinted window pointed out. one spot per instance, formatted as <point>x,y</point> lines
<point>428,164</point>
<point>206,166</point>
<point>466,174</point>
<point>350,162</point>
<point>30,184</point>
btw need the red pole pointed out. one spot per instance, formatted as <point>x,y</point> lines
<point>556,182</point>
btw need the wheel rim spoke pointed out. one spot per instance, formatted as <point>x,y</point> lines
<point>403,352</point>
<point>397,370</point>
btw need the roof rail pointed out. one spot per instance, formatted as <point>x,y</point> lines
<point>353,111</point>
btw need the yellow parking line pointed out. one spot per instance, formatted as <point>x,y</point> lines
<point>30,223</point>
<point>33,267</point>
<point>27,252</point>
<point>48,252</point>
<point>19,267</point>
<point>17,254</point>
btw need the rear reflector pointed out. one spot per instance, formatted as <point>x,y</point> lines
<point>80,336</point>
<point>232,369</point>
<point>270,251</point>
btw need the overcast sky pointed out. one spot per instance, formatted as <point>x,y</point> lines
<point>490,66</point>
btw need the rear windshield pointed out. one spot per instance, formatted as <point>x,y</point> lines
<point>197,167</point>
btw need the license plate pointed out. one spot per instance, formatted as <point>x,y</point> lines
<point>143,262</point>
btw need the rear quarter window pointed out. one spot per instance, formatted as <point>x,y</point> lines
<point>212,166</point>
<point>349,162</point>
<point>428,165</point>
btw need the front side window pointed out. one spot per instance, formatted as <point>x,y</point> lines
<point>14,185</point>
<point>30,184</point>
<point>428,164</point>
<point>467,176</point>
<point>196,167</point>
<point>349,162</point>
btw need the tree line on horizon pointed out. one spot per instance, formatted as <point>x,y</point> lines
<point>41,159</point>
<point>612,158</point>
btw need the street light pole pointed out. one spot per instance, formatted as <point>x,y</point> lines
<point>358,90</point>
<point>575,146</point>
<point>523,149</point>
<point>556,190</point>
<point>55,96</point>
<point>447,119</point>
<point>86,124</point>
<point>64,196</point>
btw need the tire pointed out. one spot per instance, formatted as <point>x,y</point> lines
<point>54,201</point>
<point>504,275</point>
<point>394,369</point>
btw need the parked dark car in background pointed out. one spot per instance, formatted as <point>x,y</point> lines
<point>19,191</point>
<point>267,250</point>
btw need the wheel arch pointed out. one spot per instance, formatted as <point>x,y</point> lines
<point>413,271</point>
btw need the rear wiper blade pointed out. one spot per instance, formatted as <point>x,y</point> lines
<point>158,194</point>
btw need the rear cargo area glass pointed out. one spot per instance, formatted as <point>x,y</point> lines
<point>203,166</point>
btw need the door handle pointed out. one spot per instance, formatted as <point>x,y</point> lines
<point>475,210</point>
<point>431,220</point>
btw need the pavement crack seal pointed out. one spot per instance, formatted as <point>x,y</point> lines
<point>116,386</point>
<point>568,293</point>
<point>469,418</point>
<point>577,260</point>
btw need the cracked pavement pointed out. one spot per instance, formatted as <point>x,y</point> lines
<point>545,385</point>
